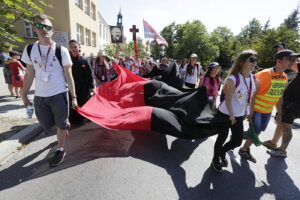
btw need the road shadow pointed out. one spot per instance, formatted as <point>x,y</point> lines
<point>8,107</point>
<point>8,98</point>
<point>280,182</point>
<point>236,185</point>
<point>91,142</point>
<point>13,130</point>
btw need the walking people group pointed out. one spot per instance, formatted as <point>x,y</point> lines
<point>64,79</point>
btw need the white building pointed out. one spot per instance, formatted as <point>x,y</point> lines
<point>104,33</point>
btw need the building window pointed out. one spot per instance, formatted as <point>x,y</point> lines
<point>87,37</point>
<point>100,32</point>
<point>80,34</point>
<point>93,11</point>
<point>94,39</point>
<point>77,2</point>
<point>87,6</point>
<point>29,33</point>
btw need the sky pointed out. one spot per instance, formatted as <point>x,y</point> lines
<point>233,14</point>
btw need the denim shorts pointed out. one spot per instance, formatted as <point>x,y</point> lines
<point>260,121</point>
<point>53,110</point>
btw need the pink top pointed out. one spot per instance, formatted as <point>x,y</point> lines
<point>211,89</point>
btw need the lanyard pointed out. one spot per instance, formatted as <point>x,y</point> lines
<point>193,69</point>
<point>249,90</point>
<point>46,55</point>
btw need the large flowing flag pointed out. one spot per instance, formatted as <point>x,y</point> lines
<point>151,33</point>
<point>130,102</point>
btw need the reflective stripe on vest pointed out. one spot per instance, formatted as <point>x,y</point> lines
<point>262,109</point>
<point>264,103</point>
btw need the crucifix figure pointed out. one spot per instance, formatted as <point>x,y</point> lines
<point>134,30</point>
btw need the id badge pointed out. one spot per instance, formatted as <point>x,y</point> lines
<point>103,77</point>
<point>210,98</point>
<point>44,76</point>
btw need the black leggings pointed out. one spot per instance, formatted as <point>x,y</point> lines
<point>237,130</point>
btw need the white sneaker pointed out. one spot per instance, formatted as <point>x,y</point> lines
<point>277,153</point>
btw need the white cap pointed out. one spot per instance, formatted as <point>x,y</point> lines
<point>193,55</point>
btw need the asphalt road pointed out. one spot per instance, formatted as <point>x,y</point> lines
<point>133,165</point>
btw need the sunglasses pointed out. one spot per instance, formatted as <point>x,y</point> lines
<point>252,60</point>
<point>41,26</point>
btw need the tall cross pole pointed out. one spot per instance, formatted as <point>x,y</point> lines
<point>134,30</point>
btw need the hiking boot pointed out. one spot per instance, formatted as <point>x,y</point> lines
<point>224,161</point>
<point>270,145</point>
<point>58,158</point>
<point>277,153</point>
<point>216,165</point>
<point>247,155</point>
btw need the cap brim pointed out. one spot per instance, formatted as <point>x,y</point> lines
<point>295,54</point>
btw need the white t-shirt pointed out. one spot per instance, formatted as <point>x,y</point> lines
<point>136,68</point>
<point>49,77</point>
<point>127,64</point>
<point>192,79</point>
<point>239,98</point>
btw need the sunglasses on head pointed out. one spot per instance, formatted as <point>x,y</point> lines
<point>41,26</point>
<point>252,60</point>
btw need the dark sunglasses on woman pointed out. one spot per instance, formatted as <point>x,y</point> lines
<point>252,60</point>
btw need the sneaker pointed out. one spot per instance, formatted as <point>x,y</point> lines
<point>277,153</point>
<point>216,165</point>
<point>247,155</point>
<point>270,145</point>
<point>224,161</point>
<point>58,158</point>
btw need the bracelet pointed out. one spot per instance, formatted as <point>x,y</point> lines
<point>74,97</point>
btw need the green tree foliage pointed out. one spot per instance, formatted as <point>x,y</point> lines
<point>195,39</point>
<point>169,33</point>
<point>224,39</point>
<point>273,36</point>
<point>12,11</point>
<point>222,46</point>
<point>292,21</point>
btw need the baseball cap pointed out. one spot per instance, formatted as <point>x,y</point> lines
<point>279,44</point>
<point>193,55</point>
<point>213,64</point>
<point>286,52</point>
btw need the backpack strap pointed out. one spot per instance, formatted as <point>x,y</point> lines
<point>58,54</point>
<point>28,49</point>
<point>237,80</point>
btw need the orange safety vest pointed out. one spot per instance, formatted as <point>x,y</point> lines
<point>271,87</point>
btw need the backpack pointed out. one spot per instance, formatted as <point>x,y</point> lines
<point>57,52</point>
<point>237,83</point>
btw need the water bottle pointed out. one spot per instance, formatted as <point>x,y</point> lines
<point>29,110</point>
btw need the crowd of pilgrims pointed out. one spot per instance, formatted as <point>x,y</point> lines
<point>239,92</point>
<point>100,71</point>
<point>239,88</point>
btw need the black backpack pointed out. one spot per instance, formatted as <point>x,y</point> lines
<point>57,52</point>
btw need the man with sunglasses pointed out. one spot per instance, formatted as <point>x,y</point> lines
<point>270,87</point>
<point>289,110</point>
<point>52,82</point>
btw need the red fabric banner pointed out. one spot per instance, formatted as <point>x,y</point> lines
<point>120,103</point>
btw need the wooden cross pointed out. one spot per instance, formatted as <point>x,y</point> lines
<point>134,30</point>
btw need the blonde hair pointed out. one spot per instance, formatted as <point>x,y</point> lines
<point>39,16</point>
<point>240,60</point>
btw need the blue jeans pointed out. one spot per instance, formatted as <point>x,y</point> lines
<point>260,121</point>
